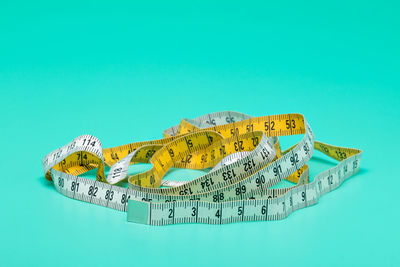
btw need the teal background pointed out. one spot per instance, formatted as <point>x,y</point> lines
<point>124,71</point>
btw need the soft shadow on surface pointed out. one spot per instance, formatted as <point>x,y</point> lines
<point>46,183</point>
<point>362,171</point>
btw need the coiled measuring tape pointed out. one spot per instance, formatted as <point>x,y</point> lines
<point>244,156</point>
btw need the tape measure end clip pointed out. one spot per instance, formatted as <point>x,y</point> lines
<point>137,211</point>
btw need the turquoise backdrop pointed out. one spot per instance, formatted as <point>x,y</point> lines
<point>125,70</point>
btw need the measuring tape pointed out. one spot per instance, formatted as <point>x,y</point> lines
<point>243,156</point>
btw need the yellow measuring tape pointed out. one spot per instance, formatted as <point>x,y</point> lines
<point>243,156</point>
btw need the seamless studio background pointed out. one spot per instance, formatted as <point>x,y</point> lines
<point>125,70</point>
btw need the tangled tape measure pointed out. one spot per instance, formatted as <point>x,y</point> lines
<point>245,158</point>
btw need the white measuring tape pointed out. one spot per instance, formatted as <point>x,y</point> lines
<point>238,188</point>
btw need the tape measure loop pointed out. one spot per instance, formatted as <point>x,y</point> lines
<point>243,156</point>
